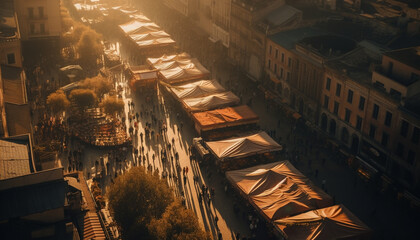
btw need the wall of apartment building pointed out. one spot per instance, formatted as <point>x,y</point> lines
<point>406,149</point>
<point>38,18</point>
<point>11,52</point>
<point>298,78</point>
<point>240,32</point>
<point>343,112</point>
<point>180,6</point>
<point>399,69</point>
<point>221,21</point>
<point>278,64</point>
<point>397,150</point>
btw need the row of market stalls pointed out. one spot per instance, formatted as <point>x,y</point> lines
<point>286,199</point>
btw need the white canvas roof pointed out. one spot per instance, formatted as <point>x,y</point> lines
<point>197,89</point>
<point>168,58</point>
<point>149,36</point>
<point>217,100</point>
<point>137,27</point>
<point>244,146</point>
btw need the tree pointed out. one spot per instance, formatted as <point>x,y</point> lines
<point>83,98</point>
<point>89,48</point>
<point>58,102</point>
<point>136,198</point>
<point>112,105</point>
<point>99,84</point>
<point>177,223</point>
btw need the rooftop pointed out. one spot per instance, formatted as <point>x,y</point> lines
<point>14,160</point>
<point>329,45</point>
<point>408,56</point>
<point>287,39</point>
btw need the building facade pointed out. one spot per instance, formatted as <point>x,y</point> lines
<point>247,41</point>
<point>221,21</point>
<point>38,19</point>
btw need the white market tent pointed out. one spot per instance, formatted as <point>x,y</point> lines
<point>210,102</point>
<point>241,147</point>
<point>197,89</point>
<point>178,68</point>
<point>137,27</point>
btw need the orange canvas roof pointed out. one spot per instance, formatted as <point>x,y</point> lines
<point>221,117</point>
<point>278,190</point>
<point>335,222</point>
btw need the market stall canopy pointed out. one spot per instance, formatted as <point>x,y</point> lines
<point>137,27</point>
<point>210,102</point>
<point>230,116</point>
<point>182,70</point>
<point>197,89</point>
<point>149,36</point>
<point>335,222</point>
<point>278,190</point>
<point>244,146</point>
<point>168,58</point>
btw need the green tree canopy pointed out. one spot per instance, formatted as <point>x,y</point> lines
<point>135,199</point>
<point>83,98</point>
<point>177,223</point>
<point>112,105</point>
<point>58,102</point>
<point>99,84</point>
<point>89,47</point>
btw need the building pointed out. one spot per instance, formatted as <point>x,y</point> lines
<point>251,22</point>
<point>14,108</point>
<point>370,104</point>
<point>180,6</point>
<point>38,19</point>
<point>295,65</point>
<point>221,21</point>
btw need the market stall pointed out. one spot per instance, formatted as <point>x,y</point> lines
<point>335,222</point>
<point>225,122</point>
<point>278,190</point>
<point>214,101</point>
<point>196,89</point>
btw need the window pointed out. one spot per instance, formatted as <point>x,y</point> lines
<point>338,90</point>
<point>11,58</point>
<point>32,27</point>
<point>277,53</point>
<point>31,13</point>
<point>326,101</point>
<point>372,131</point>
<point>269,64</point>
<point>336,106</point>
<point>41,12</point>
<point>362,103</point>
<point>375,111</point>
<point>359,123</point>
<point>350,96</point>
<point>404,128</point>
<point>289,64</point>
<point>328,86</point>
<point>385,138</point>
<point>388,118</point>
<point>282,57</point>
<point>416,135</point>
<point>281,72</point>
<point>270,50</point>
<point>275,67</point>
<point>400,150</point>
<point>347,116</point>
<point>411,156</point>
<point>42,28</point>
<point>288,76</point>
<point>297,64</point>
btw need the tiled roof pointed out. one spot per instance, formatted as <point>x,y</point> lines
<point>14,160</point>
